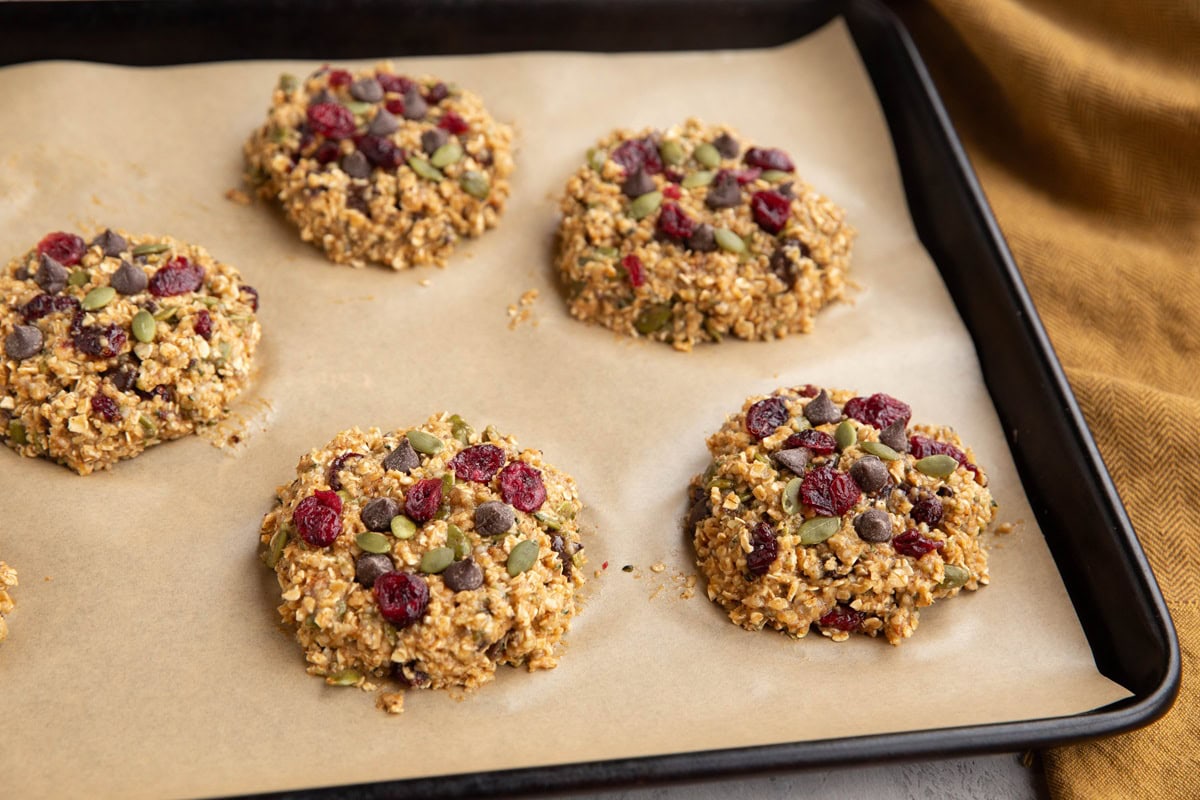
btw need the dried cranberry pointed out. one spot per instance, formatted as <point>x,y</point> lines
<point>402,597</point>
<point>327,152</point>
<point>395,106</point>
<point>203,325</point>
<point>394,83</point>
<point>821,443</point>
<point>331,119</point>
<point>829,492</point>
<point>318,518</point>
<point>922,446</point>
<point>674,222</point>
<point>105,407</point>
<point>771,210</point>
<point>452,123</point>
<point>765,158</point>
<point>808,390</point>
<point>879,410</point>
<point>478,463</point>
<point>635,270</point>
<point>336,466</point>
<point>928,510</point>
<point>45,304</point>
<point>65,248</point>
<point>671,191</point>
<point>763,548</point>
<point>437,93</point>
<point>381,151</point>
<point>844,618</point>
<point>340,77</point>
<point>521,487</point>
<point>638,153</point>
<point>177,276</point>
<point>250,290</point>
<point>765,416</point>
<point>913,543</point>
<point>745,176</point>
<point>673,175</point>
<point>100,341</point>
<point>167,395</point>
<point>423,500</point>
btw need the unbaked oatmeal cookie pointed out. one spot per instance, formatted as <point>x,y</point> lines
<point>691,234</point>
<point>427,555</point>
<point>117,345</point>
<point>8,579</point>
<point>821,508</point>
<point>375,166</point>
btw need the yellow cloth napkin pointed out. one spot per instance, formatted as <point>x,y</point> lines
<point>1082,118</point>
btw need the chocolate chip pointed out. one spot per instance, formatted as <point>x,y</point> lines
<point>111,244</point>
<point>432,139</point>
<point>23,342</point>
<point>637,184</point>
<point>377,514</point>
<point>403,458</point>
<point>463,576</point>
<point>129,279</point>
<point>724,191</point>
<point>51,276</point>
<point>370,566</point>
<point>22,273</point>
<point>323,96</point>
<point>356,165</point>
<point>414,105</point>
<point>894,436</point>
<point>726,145</point>
<point>821,410</point>
<point>794,459</point>
<point>493,518</point>
<point>869,473</point>
<point>559,545</point>
<point>702,239</point>
<point>356,199</point>
<point>783,267</point>
<point>124,377</point>
<point>496,649</point>
<point>699,512</point>
<point>410,676</point>
<point>366,89</point>
<point>873,525</point>
<point>383,123</point>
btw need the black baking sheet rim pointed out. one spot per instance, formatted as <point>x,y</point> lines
<point>1089,534</point>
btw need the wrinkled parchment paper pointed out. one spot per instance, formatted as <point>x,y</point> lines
<point>145,658</point>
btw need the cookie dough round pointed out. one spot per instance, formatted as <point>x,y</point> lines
<point>428,555</point>
<point>117,345</point>
<point>375,166</point>
<point>692,234</point>
<point>825,509</point>
<point>8,579</point>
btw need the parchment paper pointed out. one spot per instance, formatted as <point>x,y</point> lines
<point>145,658</point>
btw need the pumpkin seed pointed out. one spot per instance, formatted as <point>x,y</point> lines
<point>372,542</point>
<point>447,483</point>
<point>549,520</point>
<point>818,529</point>
<point>653,318</point>
<point>151,249</point>
<point>275,548</point>
<point>845,435</point>
<point>775,176</point>
<point>645,205</point>
<point>700,178</point>
<point>566,510</point>
<point>425,169</point>
<point>436,560</point>
<point>345,495</point>
<point>937,466</point>
<point>881,450</point>
<point>403,527</point>
<point>710,327</point>
<point>596,158</point>
<point>16,432</point>
<point>607,252</point>
<point>78,277</point>
<point>475,184</point>
<point>460,429</point>
<point>211,302</point>
<point>956,576</point>
<point>358,107</point>
<point>424,442</point>
<point>148,426</point>
<point>279,135</point>
<point>729,241</point>
<point>288,83</point>
<point>672,152</point>
<point>347,677</point>
<point>446,155</point>
<point>457,541</point>
<point>522,557</point>
<point>166,313</point>
<point>224,349</point>
<point>144,326</point>
<point>98,298</point>
<point>707,155</point>
<point>791,497</point>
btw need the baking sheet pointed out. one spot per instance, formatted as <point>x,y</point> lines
<point>145,658</point>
